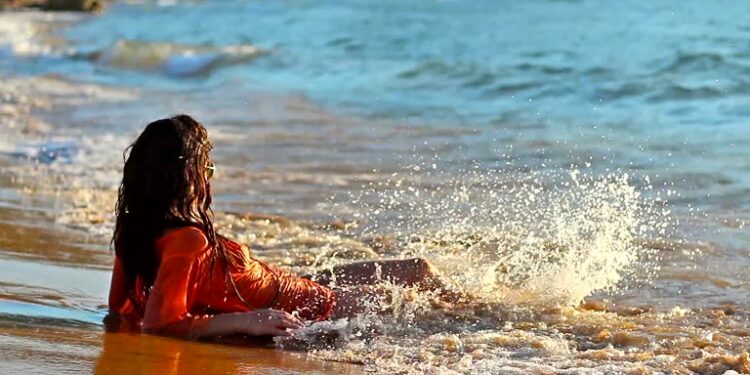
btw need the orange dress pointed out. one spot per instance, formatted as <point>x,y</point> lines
<point>187,287</point>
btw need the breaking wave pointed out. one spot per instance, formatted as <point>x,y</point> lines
<point>177,60</point>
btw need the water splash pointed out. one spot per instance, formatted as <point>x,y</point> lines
<point>542,237</point>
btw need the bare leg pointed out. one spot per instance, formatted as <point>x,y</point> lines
<point>356,283</point>
<point>357,299</point>
<point>407,272</point>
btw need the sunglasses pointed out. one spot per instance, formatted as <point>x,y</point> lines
<point>211,169</point>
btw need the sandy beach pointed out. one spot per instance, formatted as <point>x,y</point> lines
<point>56,270</point>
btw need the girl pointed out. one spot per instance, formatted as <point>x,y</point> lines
<point>175,275</point>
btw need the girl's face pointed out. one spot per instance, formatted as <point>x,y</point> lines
<point>209,166</point>
<point>210,169</point>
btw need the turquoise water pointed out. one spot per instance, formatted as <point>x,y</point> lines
<point>656,87</point>
<point>550,62</point>
<point>346,112</point>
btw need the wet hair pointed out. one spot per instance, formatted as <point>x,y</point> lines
<point>164,186</point>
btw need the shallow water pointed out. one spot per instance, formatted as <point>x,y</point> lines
<point>586,178</point>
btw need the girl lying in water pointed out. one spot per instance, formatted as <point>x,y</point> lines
<point>175,275</point>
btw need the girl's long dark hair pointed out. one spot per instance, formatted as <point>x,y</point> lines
<point>164,186</point>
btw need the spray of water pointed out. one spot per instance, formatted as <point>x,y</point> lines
<point>550,238</point>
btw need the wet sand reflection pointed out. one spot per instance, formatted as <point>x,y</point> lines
<point>124,353</point>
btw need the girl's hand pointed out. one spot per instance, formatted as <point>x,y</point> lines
<point>266,322</point>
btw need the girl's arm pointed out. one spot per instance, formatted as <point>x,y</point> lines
<point>255,323</point>
<point>172,296</point>
<point>118,294</point>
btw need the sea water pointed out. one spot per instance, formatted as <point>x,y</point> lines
<point>580,168</point>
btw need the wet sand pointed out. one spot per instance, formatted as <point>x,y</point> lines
<point>54,278</point>
<point>39,347</point>
<point>52,291</point>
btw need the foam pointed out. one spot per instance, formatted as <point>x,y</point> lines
<point>173,59</point>
<point>29,33</point>
<point>554,238</point>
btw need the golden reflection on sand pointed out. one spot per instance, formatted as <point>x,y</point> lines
<point>124,353</point>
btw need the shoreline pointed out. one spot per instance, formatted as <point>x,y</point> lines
<point>36,238</point>
<point>57,216</point>
<point>617,332</point>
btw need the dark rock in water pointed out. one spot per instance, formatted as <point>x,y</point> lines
<point>9,4</point>
<point>74,5</point>
<point>55,5</point>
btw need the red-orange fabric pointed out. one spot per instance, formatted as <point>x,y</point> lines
<point>188,287</point>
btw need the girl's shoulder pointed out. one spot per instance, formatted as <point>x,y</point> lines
<point>186,239</point>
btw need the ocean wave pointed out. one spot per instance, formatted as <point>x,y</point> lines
<point>624,90</point>
<point>544,69</point>
<point>654,91</point>
<point>684,92</point>
<point>507,88</point>
<point>697,63</point>
<point>470,75</point>
<point>177,60</point>
<point>30,34</point>
<point>437,68</point>
<point>686,62</point>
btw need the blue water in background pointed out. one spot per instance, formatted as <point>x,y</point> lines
<point>626,63</point>
<point>661,87</point>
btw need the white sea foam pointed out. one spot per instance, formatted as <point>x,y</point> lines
<point>174,59</point>
<point>29,33</point>
<point>549,238</point>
